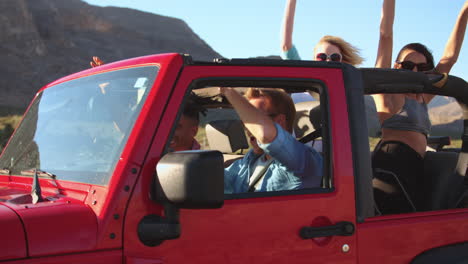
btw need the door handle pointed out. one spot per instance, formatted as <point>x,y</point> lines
<point>339,229</point>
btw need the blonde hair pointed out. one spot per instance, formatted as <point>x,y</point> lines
<point>280,100</point>
<point>349,52</point>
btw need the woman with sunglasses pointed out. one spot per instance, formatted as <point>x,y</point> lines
<point>329,48</point>
<point>405,120</point>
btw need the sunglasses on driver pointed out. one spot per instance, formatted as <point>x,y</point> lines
<point>325,57</point>
<point>409,65</point>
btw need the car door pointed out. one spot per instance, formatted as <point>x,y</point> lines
<point>439,233</point>
<point>299,226</point>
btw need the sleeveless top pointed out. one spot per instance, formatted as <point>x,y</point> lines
<point>412,117</point>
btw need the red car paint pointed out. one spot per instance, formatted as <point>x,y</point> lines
<point>97,223</point>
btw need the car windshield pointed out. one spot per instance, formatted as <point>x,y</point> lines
<point>77,130</point>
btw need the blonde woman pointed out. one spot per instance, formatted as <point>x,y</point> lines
<point>329,48</point>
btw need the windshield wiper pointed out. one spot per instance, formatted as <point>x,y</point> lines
<point>40,173</point>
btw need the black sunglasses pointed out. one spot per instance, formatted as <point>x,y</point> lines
<point>324,57</point>
<point>409,65</point>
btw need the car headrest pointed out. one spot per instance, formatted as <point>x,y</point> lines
<point>227,136</point>
<point>308,118</point>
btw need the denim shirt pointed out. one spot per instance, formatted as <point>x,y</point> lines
<point>295,166</point>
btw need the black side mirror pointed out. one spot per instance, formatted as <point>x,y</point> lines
<point>191,179</point>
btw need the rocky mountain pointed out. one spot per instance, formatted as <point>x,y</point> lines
<point>42,40</point>
<point>446,118</point>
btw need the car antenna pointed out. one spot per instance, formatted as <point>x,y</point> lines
<point>36,189</point>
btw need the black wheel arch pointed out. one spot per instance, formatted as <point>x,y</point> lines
<point>450,254</point>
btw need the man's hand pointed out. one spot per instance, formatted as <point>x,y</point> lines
<point>417,97</point>
<point>96,62</point>
<point>253,113</point>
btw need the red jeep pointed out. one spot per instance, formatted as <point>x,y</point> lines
<point>89,177</point>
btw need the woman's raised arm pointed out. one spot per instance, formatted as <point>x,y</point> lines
<point>288,25</point>
<point>454,43</point>
<point>384,52</point>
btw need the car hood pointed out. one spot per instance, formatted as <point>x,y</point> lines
<point>57,225</point>
<point>13,242</point>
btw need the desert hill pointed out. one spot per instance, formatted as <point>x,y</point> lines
<point>42,40</point>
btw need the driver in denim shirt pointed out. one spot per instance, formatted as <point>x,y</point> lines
<point>277,160</point>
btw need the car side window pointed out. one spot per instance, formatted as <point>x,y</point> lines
<point>296,161</point>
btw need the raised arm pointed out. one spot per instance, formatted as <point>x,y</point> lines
<point>387,104</point>
<point>256,121</point>
<point>454,43</point>
<point>384,52</point>
<point>288,25</point>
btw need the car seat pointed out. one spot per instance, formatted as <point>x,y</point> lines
<point>228,137</point>
<point>308,123</point>
<point>390,195</point>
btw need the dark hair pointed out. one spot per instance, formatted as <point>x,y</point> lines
<point>193,107</point>
<point>191,111</point>
<point>418,47</point>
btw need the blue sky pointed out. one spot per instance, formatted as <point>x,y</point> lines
<point>241,28</point>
